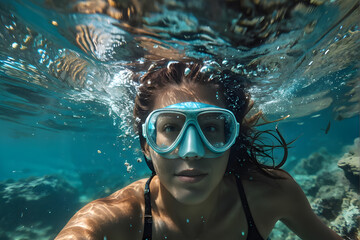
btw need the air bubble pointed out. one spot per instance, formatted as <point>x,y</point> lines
<point>170,63</point>
<point>187,71</point>
<point>205,69</point>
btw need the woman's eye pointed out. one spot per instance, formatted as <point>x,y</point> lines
<point>169,128</point>
<point>210,129</point>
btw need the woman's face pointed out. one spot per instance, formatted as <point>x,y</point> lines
<point>191,179</point>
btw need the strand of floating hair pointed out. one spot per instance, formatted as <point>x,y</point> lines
<point>285,148</point>
<point>267,122</point>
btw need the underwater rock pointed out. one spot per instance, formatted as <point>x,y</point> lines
<point>350,163</point>
<point>281,231</point>
<point>35,206</point>
<point>348,220</point>
<point>308,184</point>
<point>328,201</point>
<point>98,184</point>
<point>316,162</point>
<point>330,191</point>
<point>331,178</point>
<point>337,204</point>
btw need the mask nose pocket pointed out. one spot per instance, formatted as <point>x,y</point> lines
<point>191,144</point>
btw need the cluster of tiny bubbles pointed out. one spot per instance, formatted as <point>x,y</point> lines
<point>238,68</point>
<point>210,66</point>
<point>121,91</point>
<point>117,91</point>
<point>259,71</point>
<point>137,120</point>
<point>128,166</point>
<point>18,36</point>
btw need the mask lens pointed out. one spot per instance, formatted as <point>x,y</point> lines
<point>165,127</point>
<point>217,128</point>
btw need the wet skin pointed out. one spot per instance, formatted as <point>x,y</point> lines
<point>205,205</point>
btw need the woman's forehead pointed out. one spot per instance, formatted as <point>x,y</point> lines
<point>186,93</point>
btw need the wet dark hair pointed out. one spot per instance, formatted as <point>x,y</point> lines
<point>249,146</point>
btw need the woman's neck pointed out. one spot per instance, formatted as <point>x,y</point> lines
<point>189,219</point>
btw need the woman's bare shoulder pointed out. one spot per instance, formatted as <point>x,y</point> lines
<point>119,213</point>
<point>133,190</point>
<point>280,198</point>
<point>124,202</point>
<point>275,179</point>
<point>284,183</point>
<point>287,202</point>
<point>278,189</point>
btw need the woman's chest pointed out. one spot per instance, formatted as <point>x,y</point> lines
<point>230,223</point>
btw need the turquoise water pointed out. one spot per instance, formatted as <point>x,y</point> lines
<point>67,89</point>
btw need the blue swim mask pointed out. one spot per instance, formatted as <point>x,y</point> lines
<point>190,129</point>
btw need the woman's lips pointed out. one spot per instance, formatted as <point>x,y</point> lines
<point>191,175</point>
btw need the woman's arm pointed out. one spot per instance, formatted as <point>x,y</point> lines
<point>298,215</point>
<point>87,223</point>
<point>118,216</point>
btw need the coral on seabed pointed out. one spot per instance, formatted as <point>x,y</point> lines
<point>348,220</point>
<point>350,214</point>
<point>350,163</point>
<point>316,162</point>
<point>36,207</point>
<point>332,193</point>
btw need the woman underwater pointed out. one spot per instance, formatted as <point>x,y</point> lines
<point>207,182</point>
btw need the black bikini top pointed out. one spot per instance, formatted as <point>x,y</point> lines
<point>253,233</point>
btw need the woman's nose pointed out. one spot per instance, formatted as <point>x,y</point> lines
<point>191,146</point>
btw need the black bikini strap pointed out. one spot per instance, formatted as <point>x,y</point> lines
<point>244,202</point>
<point>147,216</point>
